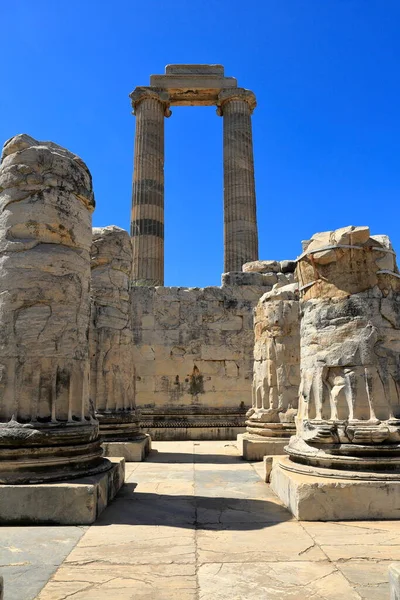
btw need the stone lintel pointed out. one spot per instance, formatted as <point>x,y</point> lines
<point>192,89</point>
<point>74,502</point>
<point>255,447</point>
<point>132,451</point>
<point>313,498</point>
<point>194,70</point>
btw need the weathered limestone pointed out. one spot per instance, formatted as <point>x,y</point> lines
<point>193,357</point>
<point>47,431</point>
<point>240,220</point>
<point>348,425</point>
<point>276,374</point>
<point>78,501</point>
<point>112,384</point>
<point>191,85</point>
<point>47,426</point>
<point>150,106</point>
<point>394,581</point>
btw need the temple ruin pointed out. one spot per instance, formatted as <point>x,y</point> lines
<point>299,358</point>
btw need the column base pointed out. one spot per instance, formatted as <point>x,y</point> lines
<point>255,447</point>
<point>317,498</point>
<point>135,450</point>
<point>73,502</point>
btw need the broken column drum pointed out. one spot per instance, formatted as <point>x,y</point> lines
<point>349,407</point>
<point>47,429</point>
<point>276,375</point>
<point>112,386</point>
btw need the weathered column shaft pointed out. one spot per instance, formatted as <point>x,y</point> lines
<point>276,374</point>
<point>112,383</point>
<point>349,407</point>
<point>240,219</point>
<point>147,218</point>
<point>47,430</point>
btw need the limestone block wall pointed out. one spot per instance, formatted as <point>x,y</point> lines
<point>193,358</point>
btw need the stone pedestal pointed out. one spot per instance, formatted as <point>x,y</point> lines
<point>240,221</point>
<point>334,495</point>
<point>133,451</point>
<point>147,220</point>
<point>276,374</point>
<point>255,447</point>
<point>346,451</point>
<point>76,501</point>
<point>112,386</point>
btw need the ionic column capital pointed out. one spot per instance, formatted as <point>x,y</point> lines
<point>144,93</point>
<point>237,94</point>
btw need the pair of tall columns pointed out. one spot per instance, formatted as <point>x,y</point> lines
<point>150,106</point>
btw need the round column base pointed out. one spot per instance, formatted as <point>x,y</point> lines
<point>119,426</point>
<point>371,458</point>
<point>37,453</point>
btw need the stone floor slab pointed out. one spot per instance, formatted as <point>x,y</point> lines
<point>264,581</point>
<point>30,555</point>
<point>277,542</point>
<point>196,522</point>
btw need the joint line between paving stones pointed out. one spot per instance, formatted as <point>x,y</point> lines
<point>196,550</point>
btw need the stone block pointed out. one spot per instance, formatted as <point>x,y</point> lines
<point>240,278</point>
<point>255,447</point>
<point>394,581</point>
<point>262,266</point>
<point>192,81</point>
<point>194,70</point>
<point>132,451</point>
<point>73,502</point>
<point>313,498</point>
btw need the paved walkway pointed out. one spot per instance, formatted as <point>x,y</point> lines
<point>195,522</point>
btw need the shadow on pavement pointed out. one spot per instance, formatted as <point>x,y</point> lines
<point>202,512</point>
<point>184,458</point>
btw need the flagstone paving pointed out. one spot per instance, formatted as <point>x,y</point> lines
<point>195,522</point>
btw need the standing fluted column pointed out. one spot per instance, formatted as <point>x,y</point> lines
<point>47,427</point>
<point>147,219</point>
<point>240,220</point>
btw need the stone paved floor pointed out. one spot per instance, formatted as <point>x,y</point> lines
<point>195,522</point>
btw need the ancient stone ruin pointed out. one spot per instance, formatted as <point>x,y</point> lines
<point>112,381</point>
<point>276,373</point>
<point>347,442</point>
<point>300,358</point>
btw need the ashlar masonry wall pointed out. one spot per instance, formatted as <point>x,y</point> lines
<point>193,356</point>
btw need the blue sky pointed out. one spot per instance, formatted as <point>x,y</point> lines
<point>326,129</point>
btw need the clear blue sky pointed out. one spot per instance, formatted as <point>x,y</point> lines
<point>326,130</point>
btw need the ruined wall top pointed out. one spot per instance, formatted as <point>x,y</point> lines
<point>346,261</point>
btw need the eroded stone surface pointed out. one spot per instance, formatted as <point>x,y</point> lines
<point>46,424</point>
<point>193,358</point>
<point>350,341</point>
<point>112,383</point>
<point>276,373</point>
